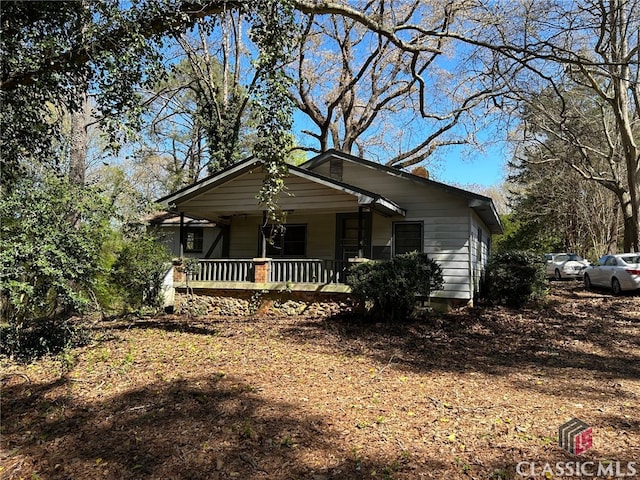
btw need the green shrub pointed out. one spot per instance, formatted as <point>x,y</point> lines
<point>139,270</point>
<point>28,340</point>
<point>514,278</point>
<point>394,287</point>
<point>51,234</point>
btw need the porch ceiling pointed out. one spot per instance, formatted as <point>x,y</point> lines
<point>233,192</point>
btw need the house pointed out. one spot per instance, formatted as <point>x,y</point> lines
<point>339,209</point>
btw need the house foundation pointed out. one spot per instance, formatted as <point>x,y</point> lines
<point>242,303</point>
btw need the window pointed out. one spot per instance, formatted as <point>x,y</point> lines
<point>290,243</point>
<point>479,252</point>
<point>193,240</point>
<point>407,237</point>
<point>611,261</point>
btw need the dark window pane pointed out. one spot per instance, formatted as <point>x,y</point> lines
<point>292,242</point>
<point>407,237</point>
<point>194,238</point>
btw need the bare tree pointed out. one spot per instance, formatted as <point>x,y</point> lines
<point>220,87</point>
<point>575,79</point>
<point>356,85</point>
<point>537,44</point>
<point>199,116</point>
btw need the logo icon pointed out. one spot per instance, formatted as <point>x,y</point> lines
<point>575,436</point>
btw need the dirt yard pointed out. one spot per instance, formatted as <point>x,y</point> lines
<point>467,395</point>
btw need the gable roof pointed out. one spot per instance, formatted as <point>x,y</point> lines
<point>481,204</point>
<point>364,197</point>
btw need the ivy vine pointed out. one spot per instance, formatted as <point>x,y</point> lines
<point>273,30</point>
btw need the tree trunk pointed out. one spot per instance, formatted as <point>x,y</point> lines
<point>630,227</point>
<point>612,241</point>
<point>633,175</point>
<point>78,156</point>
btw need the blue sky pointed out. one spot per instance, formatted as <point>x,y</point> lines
<point>484,168</point>
<point>455,165</point>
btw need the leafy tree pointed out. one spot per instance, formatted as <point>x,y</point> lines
<point>51,53</point>
<point>555,209</point>
<point>49,263</point>
<point>529,234</point>
<point>139,269</point>
<point>114,48</point>
<point>272,24</point>
<point>199,117</point>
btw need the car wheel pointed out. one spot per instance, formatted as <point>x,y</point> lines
<point>615,286</point>
<point>587,282</point>
<point>557,275</point>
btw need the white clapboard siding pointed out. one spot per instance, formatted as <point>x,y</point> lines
<point>479,250</point>
<point>446,218</point>
<point>170,236</point>
<point>239,195</point>
<point>243,235</point>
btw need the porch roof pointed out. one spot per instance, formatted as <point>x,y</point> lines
<point>201,197</point>
<point>172,219</point>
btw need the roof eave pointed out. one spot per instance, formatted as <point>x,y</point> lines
<point>486,210</point>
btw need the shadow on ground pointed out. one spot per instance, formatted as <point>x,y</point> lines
<point>586,332</point>
<point>204,428</point>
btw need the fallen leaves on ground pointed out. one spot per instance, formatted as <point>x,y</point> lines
<point>468,395</point>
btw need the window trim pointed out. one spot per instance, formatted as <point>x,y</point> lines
<point>394,239</point>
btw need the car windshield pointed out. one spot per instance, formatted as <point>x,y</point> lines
<point>631,259</point>
<point>575,257</point>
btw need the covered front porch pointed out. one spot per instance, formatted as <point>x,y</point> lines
<point>304,274</point>
<point>312,252</point>
<point>328,226</point>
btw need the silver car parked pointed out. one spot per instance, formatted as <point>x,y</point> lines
<point>565,265</point>
<point>618,272</point>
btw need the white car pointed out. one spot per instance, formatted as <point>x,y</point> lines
<point>565,265</point>
<point>618,272</point>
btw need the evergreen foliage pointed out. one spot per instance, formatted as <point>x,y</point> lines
<point>50,244</point>
<point>515,277</point>
<point>273,27</point>
<point>394,287</point>
<point>139,270</point>
<point>48,260</point>
<point>530,233</point>
<point>52,51</point>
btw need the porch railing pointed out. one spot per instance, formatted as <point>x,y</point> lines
<point>280,270</point>
<point>308,271</point>
<point>224,270</point>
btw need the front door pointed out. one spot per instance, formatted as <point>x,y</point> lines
<point>347,235</point>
